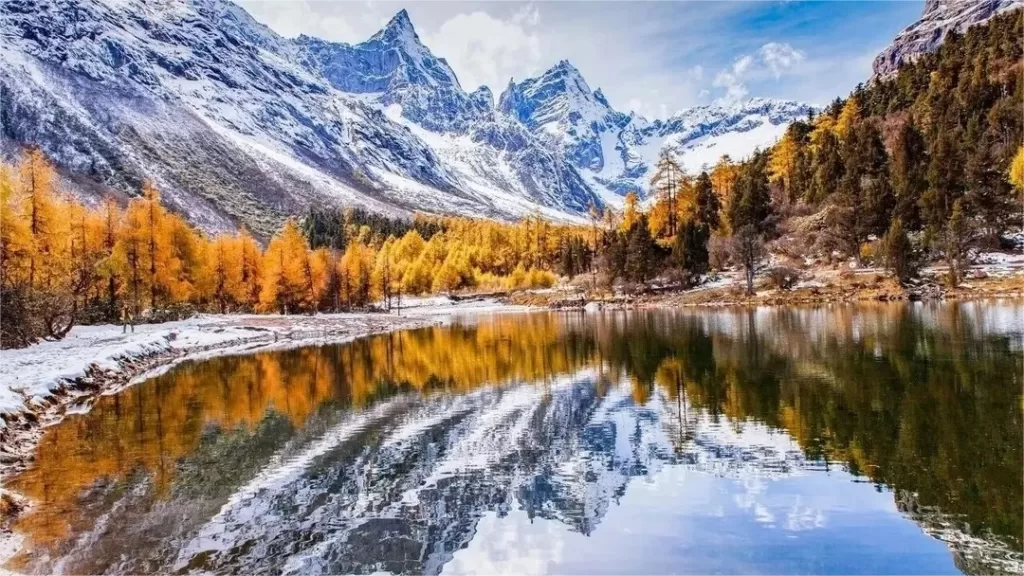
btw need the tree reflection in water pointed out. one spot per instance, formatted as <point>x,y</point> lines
<point>384,453</point>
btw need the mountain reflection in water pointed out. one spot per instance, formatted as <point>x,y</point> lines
<point>872,438</point>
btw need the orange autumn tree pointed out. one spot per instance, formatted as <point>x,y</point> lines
<point>225,260</point>
<point>45,276</point>
<point>16,242</point>
<point>153,250</point>
<point>355,271</point>
<point>109,278</point>
<point>286,285</point>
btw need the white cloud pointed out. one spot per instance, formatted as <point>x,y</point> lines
<point>486,50</point>
<point>649,105</point>
<point>780,57</point>
<point>776,58</point>
<point>302,17</point>
<point>529,16</point>
<point>732,79</point>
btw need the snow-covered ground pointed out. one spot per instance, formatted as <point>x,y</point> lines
<point>29,377</point>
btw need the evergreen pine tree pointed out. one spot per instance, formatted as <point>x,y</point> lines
<point>945,171</point>
<point>897,252</point>
<point>751,203</point>
<point>827,168</point>
<point>690,251</point>
<point>907,173</point>
<point>708,209</point>
<point>641,252</point>
<point>957,239</point>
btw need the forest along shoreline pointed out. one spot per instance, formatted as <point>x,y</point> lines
<point>841,285</point>
<point>43,383</point>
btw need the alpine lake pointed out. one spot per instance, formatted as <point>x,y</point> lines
<point>874,438</point>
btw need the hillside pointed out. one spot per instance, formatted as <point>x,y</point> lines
<point>939,18</point>
<point>236,124</point>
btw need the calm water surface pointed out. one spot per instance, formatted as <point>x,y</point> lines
<point>850,439</point>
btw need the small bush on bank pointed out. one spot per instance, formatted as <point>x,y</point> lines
<point>783,277</point>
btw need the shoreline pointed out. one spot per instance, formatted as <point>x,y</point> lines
<point>866,286</point>
<point>122,360</point>
<point>156,348</point>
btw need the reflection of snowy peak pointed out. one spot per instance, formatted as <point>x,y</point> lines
<point>406,498</point>
<point>237,124</point>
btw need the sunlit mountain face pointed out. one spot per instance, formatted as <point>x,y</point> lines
<point>237,124</point>
<point>879,438</point>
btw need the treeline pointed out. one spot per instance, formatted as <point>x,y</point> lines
<point>928,151</point>
<point>63,263</point>
<point>927,162</point>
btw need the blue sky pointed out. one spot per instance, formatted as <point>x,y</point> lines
<point>653,57</point>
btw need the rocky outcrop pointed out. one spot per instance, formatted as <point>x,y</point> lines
<point>940,17</point>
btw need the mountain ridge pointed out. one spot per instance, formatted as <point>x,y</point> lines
<point>239,125</point>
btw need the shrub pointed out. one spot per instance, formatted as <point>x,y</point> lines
<point>533,278</point>
<point>868,251</point>
<point>719,251</point>
<point>898,253</point>
<point>537,278</point>
<point>783,277</point>
<point>517,278</point>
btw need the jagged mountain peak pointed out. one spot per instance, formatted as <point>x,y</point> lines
<point>483,98</point>
<point>392,57</point>
<point>564,67</point>
<point>615,151</point>
<point>563,74</point>
<point>399,28</point>
<point>400,22</point>
<point>558,97</point>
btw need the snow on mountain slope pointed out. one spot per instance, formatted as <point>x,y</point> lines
<point>223,114</point>
<point>494,160</point>
<point>702,135</point>
<point>940,17</point>
<point>194,95</point>
<point>616,152</point>
<point>238,125</point>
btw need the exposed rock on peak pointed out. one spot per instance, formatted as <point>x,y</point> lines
<point>939,18</point>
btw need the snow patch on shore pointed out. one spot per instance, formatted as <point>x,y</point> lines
<point>30,377</point>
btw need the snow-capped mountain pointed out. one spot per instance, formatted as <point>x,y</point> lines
<point>615,151</point>
<point>238,125</point>
<point>940,17</point>
<point>395,67</point>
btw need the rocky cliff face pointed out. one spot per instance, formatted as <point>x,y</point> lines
<point>940,17</point>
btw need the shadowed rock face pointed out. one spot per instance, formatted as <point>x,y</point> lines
<point>940,17</point>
